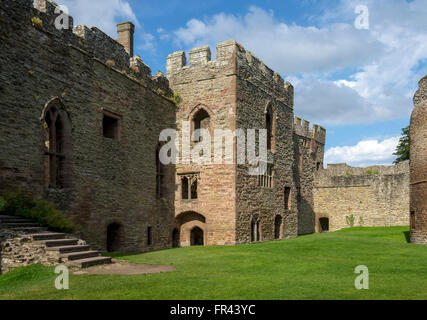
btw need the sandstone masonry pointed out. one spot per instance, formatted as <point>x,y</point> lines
<point>419,165</point>
<point>377,196</point>
<point>80,120</point>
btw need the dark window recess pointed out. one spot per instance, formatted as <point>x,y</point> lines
<point>269,125</point>
<point>184,188</point>
<point>201,120</point>
<point>194,189</point>
<point>149,236</point>
<point>110,127</point>
<point>189,184</point>
<point>160,175</point>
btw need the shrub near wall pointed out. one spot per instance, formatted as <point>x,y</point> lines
<point>18,204</point>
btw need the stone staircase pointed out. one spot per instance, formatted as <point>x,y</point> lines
<point>69,249</point>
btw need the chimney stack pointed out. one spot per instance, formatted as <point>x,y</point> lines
<point>125,31</point>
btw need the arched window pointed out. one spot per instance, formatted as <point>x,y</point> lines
<point>201,120</point>
<point>58,147</point>
<point>270,125</point>
<point>160,174</point>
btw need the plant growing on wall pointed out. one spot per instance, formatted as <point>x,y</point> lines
<point>361,221</point>
<point>18,204</point>
<point>37,22</point>
<point>176,98</point>
<point>350,220</point>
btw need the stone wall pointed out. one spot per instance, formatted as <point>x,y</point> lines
<point>261,91</point>
<point>237,91</point>
<point>86,75</point>
<point>19,250</point>
<point>377,196</point>
<point>419,165</point>
<point>209,86</point>
<point>309,148</point>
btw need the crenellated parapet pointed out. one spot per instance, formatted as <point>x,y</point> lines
<point>93,42</point>
<point>302,128</point>
<point>231,59</point>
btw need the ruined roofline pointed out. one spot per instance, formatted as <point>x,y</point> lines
<point>302,128</point>
<point>99,45</point>
<point>420,97</point>
<point>201,57</point>
<point>343,169</point>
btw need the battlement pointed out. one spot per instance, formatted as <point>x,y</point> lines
<point>201,57</point>
<point>115,54</point>
<point>231,59</point>
<point>302,128</point>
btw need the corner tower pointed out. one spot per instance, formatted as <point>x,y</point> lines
<point>418,192</point>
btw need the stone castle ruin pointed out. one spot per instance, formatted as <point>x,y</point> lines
<point>80,120</point>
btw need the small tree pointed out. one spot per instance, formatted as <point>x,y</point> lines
<point>404,146</point>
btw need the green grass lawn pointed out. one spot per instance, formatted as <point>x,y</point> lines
<point>319,266</point>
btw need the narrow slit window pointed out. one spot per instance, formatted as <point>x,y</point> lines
<point>149,236</point>
<point>287,197</point>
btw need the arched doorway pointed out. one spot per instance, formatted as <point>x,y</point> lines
<point>278,227</point>
<point>113,237</point>
<point>175,238</point>
<point>197,237</point>
<point>324,225</point>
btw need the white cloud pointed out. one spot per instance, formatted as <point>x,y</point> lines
<point>290,49</point>
<point>378,68</point>
<point>365,153</point>
<point>103,14</point>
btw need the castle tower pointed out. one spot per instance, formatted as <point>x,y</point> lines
<point>419,165</point>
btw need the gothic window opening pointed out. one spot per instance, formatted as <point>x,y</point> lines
<point>266,180</point>
<point>184,188</point>
<point>189,186</point>
<point>201,120</point>
<point>270,124</point>
<point>160,175</point>
<point>58,148</point>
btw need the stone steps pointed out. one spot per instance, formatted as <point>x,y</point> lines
<point>69,249</point>
<point>20,225</point>
<point>89,262</point>
<point>60,242</point>
<point>47,236</point>
<point>13,220</point>
<point>80,255</point>
<point>30,229</point>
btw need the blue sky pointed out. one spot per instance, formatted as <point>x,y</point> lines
<point>357,83</point>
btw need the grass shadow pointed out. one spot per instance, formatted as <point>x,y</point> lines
<point>407,236</point>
